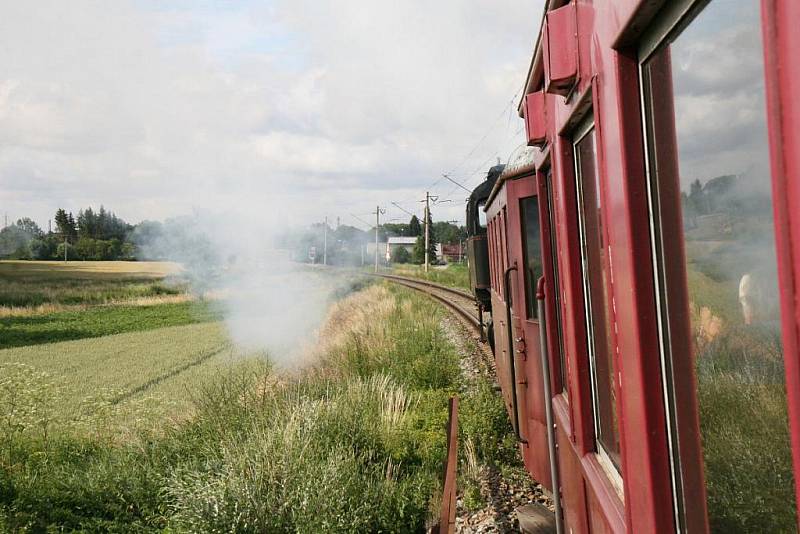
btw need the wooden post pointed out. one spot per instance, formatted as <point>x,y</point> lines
<point>447,518</point>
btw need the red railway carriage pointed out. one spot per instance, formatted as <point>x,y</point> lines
<point>647,244</point>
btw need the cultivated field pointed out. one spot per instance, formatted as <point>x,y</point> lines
<point>30,287</point>
<point>124,414</point>
<point>118,341</point>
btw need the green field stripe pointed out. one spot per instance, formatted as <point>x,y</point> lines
<point>100,321</point>
<point>202,358</point>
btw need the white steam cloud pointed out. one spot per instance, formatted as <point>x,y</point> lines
<point>269,302</point>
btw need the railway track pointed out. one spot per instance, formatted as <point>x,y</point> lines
<point>458,301</point>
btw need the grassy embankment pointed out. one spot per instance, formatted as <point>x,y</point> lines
<point>172,429</point>
<point>743,411</point>
<point>453,274</point>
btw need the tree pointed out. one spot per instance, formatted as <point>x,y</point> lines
<point>697,199</point>
<point>70,251</point>
<point>28,226</point>
<point>414,228</point>
<point>44,248</point>
<point>62,223</point>
<point>72,226</point>
<point>400,255</point>
<point>15,243</point>
<point>418,255</point>
<point>395,229</point>
<point>447,232</point>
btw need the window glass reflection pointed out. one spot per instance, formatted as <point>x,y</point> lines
<point>532,243</point>
<point>712,151</point>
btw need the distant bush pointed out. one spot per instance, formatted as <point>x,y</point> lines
<point>400,255</point>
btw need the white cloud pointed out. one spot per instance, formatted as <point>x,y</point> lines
<point>152,110</point>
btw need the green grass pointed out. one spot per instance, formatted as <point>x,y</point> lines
<point>355,444</point>
<point>453,275</point>
<point>743,409</point>
<point>17,331</point>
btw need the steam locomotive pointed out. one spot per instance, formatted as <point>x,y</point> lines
<point>643,395</point>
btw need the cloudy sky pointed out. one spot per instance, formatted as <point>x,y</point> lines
<point>297,108</point>
<point>718,82</point>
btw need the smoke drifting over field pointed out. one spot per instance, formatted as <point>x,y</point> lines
<point>269,301</point>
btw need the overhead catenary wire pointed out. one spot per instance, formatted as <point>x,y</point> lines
<point>397,205</point>
<point>507,111</point>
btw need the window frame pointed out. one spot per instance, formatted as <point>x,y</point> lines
<point>550,250</point>
<point>586,126</point>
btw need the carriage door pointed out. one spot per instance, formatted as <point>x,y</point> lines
<point>713,244</point>
<point>526,249</point>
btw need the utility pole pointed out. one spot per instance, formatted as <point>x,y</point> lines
<point>427,201</point>
<point>65,248</point>
<point>378,212</point>
<point>325,243</point>
<point>427,230</point>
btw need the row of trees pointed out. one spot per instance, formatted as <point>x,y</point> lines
<point>92,235</point>
<point>101,235</point>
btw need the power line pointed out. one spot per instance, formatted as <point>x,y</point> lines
<point>458,184</point>
<point>403,209</point>
<point>369,225</point>
<point>502,114</point>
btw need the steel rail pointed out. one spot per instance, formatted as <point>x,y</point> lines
<point>433,290</point>
<point>453,290</point>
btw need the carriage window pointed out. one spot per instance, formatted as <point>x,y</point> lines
<point>481,214</point>
<point>597,300</point>
<point>503,257</point>
<point>495,264</point>
<point>490,239</point>
<point>532,247</point>
<point>714,249</point>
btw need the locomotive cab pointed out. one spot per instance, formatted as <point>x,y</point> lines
<point>477,245</point>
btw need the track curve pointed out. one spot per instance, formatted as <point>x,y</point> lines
<point>458,301</point>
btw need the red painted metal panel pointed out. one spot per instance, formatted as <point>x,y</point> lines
<point>535,119</point>
<point>782,65</point>
<point>561,50</point>
<point>573,495</point>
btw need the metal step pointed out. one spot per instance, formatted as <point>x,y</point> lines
<point>535,518</point>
